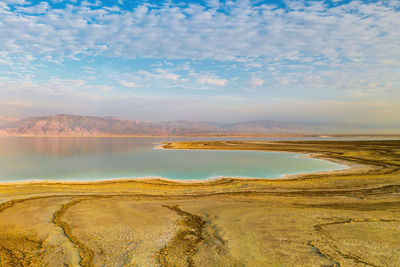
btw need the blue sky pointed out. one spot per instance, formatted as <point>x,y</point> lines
<point>202,60</point>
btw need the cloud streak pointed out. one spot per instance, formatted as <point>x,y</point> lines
<point>212,81</point>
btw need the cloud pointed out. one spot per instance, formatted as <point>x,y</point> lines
<point>212,81</point>
<point>15,2</point>
<point>3,61</point>
<point>313,32</point>
<point>128,84</point>
<point>188,79</point>
<point>156,75</point>
<point>164,74</point>
<point>256,82</point>
<point>40,8</point>
<point>284,81</point>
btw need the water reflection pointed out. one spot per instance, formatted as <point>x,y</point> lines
<point>68,147</point>
<point>75,146</point>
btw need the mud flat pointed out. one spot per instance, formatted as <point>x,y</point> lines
<point>341,218</point>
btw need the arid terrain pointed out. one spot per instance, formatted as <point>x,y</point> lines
<point>341,218</point>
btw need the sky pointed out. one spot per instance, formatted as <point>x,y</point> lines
<point>204,60</point>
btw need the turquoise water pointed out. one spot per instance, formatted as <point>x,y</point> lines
<point>104,158</point>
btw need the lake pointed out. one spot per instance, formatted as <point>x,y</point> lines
<point>96,158</point>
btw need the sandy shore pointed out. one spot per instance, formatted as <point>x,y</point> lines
<point>341,218</point>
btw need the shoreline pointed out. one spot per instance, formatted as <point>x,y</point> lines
<point>348,168</point>
<point>351,167</point>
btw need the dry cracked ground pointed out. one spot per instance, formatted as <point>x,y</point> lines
<point>345,218</point>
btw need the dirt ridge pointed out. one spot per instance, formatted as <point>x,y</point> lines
<point>85,253</point>
<point>185,241</point>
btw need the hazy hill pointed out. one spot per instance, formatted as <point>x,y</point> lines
<point>77,125</point>
<point>61,125</point>
<point>85,125</point>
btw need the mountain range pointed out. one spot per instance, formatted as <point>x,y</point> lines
<point>74,125</point>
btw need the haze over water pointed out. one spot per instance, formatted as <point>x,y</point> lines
<point>105,158</point>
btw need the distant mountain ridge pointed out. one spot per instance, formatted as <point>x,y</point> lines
<point>75,125</point>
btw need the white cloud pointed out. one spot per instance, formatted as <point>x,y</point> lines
<point>284,81</point>
<point>104,88</point>
<point>15,2</point>
<point>40,8</point>
<point>91,3</point>
<point>355,31</point>
<point>164,74</point>
<point>167,78</point>
<point>256,82</point>
<point>3,61</point>
<point>212,81</point>
<point>157,74</point>
<point>128,84</point>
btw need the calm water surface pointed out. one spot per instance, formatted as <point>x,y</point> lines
<point>104,158</point>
